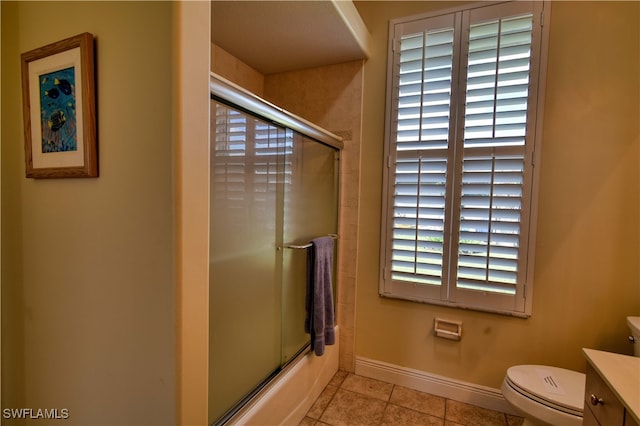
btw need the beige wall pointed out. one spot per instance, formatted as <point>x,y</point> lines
<point>586,272</point>
<point>11,251</point>
<point>88,280</point>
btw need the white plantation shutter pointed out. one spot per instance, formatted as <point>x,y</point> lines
<point>459,190</point>
<point>421,157</point>
<point>497,89</point>
<point>424,97</point>
<point>489,238</point>
<point>418,220</point>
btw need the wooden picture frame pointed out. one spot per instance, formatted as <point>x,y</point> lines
<point>58,95</point>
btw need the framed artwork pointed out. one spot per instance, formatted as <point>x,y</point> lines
<point>58,96</point>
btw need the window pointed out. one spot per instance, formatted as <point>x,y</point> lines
<point>463,126</point>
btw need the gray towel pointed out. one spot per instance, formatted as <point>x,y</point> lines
<point>319,321</point>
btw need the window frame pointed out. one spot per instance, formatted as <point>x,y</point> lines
<point>448,294</point>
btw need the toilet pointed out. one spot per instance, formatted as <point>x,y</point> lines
<point>546,395</point>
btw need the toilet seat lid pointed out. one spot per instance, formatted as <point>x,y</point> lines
<point>552,386</point>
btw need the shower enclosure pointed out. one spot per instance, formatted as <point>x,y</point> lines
<point>274,187</point>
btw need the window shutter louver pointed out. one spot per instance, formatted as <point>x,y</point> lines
<point>498,82</point>
<point>230,147</point>
<point>424,92</point>
<point>249,168</point>
<point>495,121</point>
<point>418,222</point>
<point>422,138</point>
<point>489,237</point>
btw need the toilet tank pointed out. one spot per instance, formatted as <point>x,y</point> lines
<point>634,326</point>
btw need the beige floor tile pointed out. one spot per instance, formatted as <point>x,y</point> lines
<point>470,415</point>
<point>395,415</point>
<point>351,400</point>
<point>514,420</point>
<point>370,387</point>
<point>322,402</point>
<point>353,409</point>
<point>338,378</point>
<point>307,421</point>
<point>419,401</point>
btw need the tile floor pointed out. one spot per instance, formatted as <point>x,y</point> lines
<point>351,400</point>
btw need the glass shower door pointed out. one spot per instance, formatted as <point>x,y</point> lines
<point>270,187</point>
<point>310,211</point>
<point>247,164</point>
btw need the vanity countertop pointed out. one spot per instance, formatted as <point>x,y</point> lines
<point>622,374</point>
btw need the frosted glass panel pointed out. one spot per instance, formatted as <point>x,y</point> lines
<point>310,211</point>
<point>245,314</point>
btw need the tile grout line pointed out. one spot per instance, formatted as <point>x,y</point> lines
<point>386,405</point>
<point>344,379</point>
<point>444,415</point>
<point>330,399</point>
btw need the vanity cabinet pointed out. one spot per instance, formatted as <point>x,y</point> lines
<point>603,405</point>
<point>611,391</point>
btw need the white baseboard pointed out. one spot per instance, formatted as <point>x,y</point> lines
<point>445,387</point>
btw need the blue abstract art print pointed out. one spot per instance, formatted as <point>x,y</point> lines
<point>58,111</point>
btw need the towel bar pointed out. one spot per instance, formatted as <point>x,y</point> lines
<point>305,246</point>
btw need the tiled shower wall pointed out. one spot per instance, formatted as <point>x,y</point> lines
<point>231,68</point>
<point>331,97</point>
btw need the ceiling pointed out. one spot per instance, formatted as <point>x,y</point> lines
<point>278,36</point>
